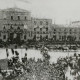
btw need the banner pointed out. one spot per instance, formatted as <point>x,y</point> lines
<point>25,27</point>
<point>15,35</point>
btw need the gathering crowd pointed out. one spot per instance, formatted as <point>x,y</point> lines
<point>30,69</point>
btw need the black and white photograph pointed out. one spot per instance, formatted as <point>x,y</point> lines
<point>39,40</point>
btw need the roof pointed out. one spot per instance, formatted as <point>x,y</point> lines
<point>15,9</point>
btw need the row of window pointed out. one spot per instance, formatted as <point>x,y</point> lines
<point>4,36</point>
<point>40,29</point>
<point>40,32</point>
<point>41,23</point>
<point>18,17</point>
<point>16,24</point>
<point>65,30</point>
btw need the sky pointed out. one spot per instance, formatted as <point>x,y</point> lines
<point>60,11</point>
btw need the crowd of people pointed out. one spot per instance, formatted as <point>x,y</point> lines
<point>30,69</point>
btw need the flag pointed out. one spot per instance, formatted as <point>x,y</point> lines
<point>15,35</point>
<point>12,51</point>
<point>16,53</point>
<point>7,54</point>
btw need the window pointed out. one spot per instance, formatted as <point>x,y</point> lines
<point>34,29</point>
<point>40,32</point>
<point>43,32</point>
<point>25,18</point>
<point>4,36</point>
<point>35,22</point>
<point>54,32</point>
<point>34,36</point>
<point>18,17</point>
<point>40,29</point>
<point>34,32</point>
<point>4,27</point>
<point>18,27</point>
<point>22,24</point>
<point>59,37</point>
<point>46,29</point>
<point>0,33</point>
<point>46,36</point>
<point>54,29</point>
<point>64,30</point>
<point>15,24</point>
<point>41,22</point>
<point>37,32</point>
<point>46,23</point>
<point>24,36</point>
<point>11,17</point>
<point>31,33</point>
<point>11,27</point>
<point>70,30</point>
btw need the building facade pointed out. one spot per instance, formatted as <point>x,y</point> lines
<point>17,24</point>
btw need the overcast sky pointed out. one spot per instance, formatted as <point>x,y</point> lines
<point>62,11</point>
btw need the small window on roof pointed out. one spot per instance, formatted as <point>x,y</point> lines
<point>11,17</point>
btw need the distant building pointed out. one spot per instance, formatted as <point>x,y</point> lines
<point>62,33</point>
<point>17,24</point>
<point>41,28</point>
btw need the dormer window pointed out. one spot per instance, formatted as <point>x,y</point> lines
<point>11,17</point>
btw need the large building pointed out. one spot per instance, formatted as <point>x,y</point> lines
<point>63,33</point>
<point>17,24</point>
